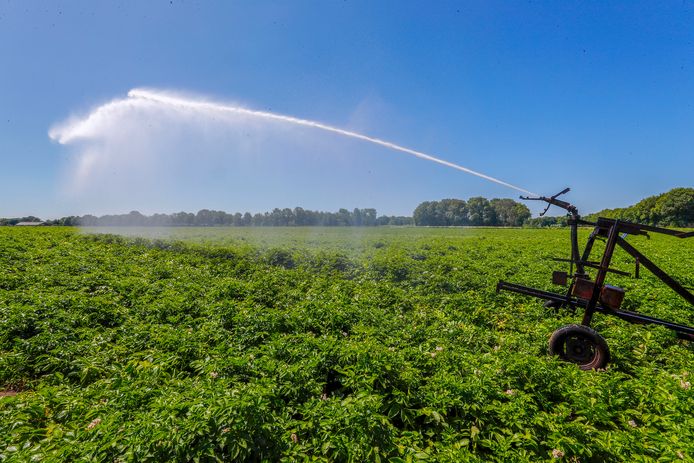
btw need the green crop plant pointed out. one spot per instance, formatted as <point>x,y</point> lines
<point>311,344</point>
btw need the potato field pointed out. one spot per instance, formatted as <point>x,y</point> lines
<point>327,344</point>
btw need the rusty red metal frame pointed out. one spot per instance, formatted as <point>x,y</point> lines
<point>612,230</point>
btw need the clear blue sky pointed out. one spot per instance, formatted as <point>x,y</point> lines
<point>592,95</point>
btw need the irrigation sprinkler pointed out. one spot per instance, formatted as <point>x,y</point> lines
<point>579,343</point>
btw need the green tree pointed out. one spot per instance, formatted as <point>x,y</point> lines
<point>676,207</point>
<point>480,212</point>
<point>509,213</point>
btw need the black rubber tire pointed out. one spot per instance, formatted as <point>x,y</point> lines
<point>580,345</point>
<point>553,305</point>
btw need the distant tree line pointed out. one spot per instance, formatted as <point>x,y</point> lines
<point>475,211</point>
<point>547,221</point>
<point>210,218</point>
<point>16,220</point>
<point>674,208</point>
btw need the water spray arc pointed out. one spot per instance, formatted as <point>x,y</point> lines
<point>203,105</point>
<point>103,120</point>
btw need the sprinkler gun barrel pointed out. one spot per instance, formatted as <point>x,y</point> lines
<point>553,201</point>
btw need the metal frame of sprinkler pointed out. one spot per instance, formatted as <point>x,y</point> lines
<point>580,344</point>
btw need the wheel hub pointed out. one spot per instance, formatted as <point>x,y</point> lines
<point>579,349</point>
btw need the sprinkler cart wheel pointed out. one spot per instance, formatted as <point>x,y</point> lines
<point>580,345</point>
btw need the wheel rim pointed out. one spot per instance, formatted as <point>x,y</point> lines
<point>579,349</point>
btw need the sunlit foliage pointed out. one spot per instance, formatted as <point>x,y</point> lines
<point>325,345</point>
